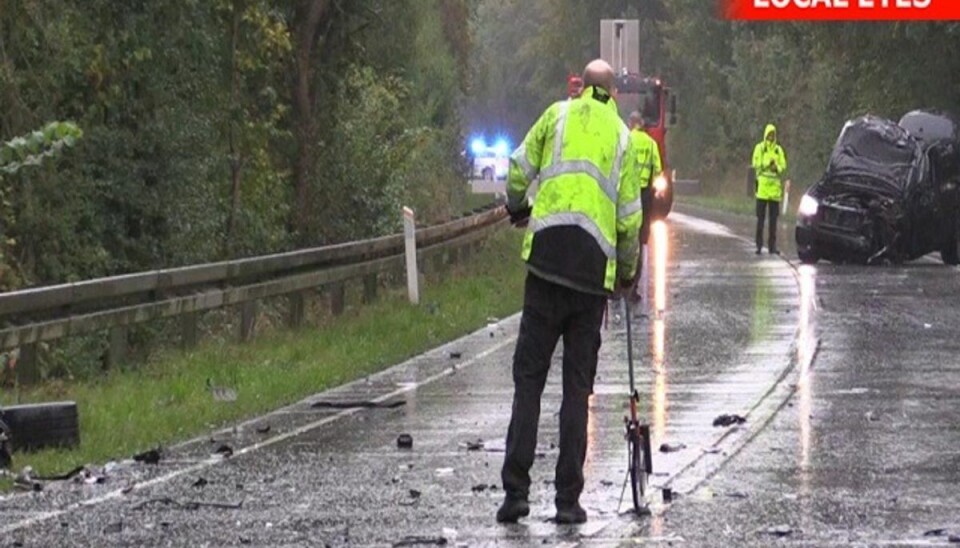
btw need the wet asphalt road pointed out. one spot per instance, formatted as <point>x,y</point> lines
<point>846,377</point>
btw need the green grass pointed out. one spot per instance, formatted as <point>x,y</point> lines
<point>167,400</point>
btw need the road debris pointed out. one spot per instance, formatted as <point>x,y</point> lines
<point>224,450</point>
<point>25,481</point>
<point>935,532</point>
<point>667,493</point>
<point>421,541</point>
<point>263,429</point>
<point>473,445</point>
<point>480,487</point>
<point>954,539</point>
<point>737,495</point>
<point>727,420</point>
<point>63,477</point>
<point>201,482</point>
<point>672,447</point>
<point>414,494</point>
<point>152,456</point>
<point>189,504</point>
<point>779,531</point>
<point>456,355</point>
<point>357,404</point>
<point>405,441</point>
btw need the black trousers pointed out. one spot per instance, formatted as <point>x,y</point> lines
<point>551,311</point>
<point>774,208</point>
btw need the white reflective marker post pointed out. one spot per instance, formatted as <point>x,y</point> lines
<point>786,196</point>
<point>410,243</point>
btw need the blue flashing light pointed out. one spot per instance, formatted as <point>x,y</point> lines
<point>501,147</point>
<point>478,146</point>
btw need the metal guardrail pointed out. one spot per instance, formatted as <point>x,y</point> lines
<point>41,314</point>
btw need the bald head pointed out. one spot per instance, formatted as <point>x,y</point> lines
<point>598,73</point>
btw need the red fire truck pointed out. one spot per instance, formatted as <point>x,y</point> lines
<point>620,46</point>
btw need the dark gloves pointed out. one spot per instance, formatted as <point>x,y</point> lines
<point>521,217</point>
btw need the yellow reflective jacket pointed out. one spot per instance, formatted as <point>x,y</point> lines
<point>587,212</point>
<point>769,180</point>
<point>648,156</point>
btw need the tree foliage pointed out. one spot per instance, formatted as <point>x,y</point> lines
<point>223,128</point>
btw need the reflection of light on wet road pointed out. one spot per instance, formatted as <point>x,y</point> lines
<point>659,414</point>
<point>591,434</point>
<point>660,252</point>
<point>806,348</point>
<point>659,404</point>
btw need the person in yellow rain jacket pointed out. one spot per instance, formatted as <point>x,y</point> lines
<point>580,247</point>
<point>648,168</point>
<point>769,165</point>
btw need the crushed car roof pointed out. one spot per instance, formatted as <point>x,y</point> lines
<point>875,154</point>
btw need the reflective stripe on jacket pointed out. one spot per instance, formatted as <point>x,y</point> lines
<point>587,212</point>
<point>769,182</point>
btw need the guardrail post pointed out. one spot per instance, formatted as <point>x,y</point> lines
<point>26,368</point>
<point>439,260</point>
<point>410,243</point>
<point>248,318</point>
<point>296,302</point>
<point>117,353</point>
<point>188,330</point>
<point>370,288</point>
<point>336,298</point>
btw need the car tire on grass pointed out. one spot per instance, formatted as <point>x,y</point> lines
<point>41,425</point>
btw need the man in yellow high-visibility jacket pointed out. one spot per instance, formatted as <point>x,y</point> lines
<point>581,246</point>
<point>769,164</point>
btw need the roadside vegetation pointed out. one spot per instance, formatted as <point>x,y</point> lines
<point>167,399</point>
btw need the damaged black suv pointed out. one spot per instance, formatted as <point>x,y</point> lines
<point>889,194</point>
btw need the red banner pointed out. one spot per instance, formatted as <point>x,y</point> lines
<point>841,10</point>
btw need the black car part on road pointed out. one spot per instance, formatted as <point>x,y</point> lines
<point>36,426</point>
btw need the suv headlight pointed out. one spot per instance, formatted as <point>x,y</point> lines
<point>808,206</point>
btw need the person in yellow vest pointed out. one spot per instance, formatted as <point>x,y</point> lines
<point>648,167</point>
<point>581,246</point>
<point>769,165</point>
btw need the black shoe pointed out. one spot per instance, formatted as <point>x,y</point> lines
<point>512,509</point>
<point>759,251</point>
<point>774,251</point>
<point>571,514</point>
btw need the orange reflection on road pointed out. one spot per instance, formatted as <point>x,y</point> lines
<point>658,344</point>
<point>659,404</point>
<point>591,433</point>
<point>660,252</point>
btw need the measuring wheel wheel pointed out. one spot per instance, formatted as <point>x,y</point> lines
<point>639,465</point>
